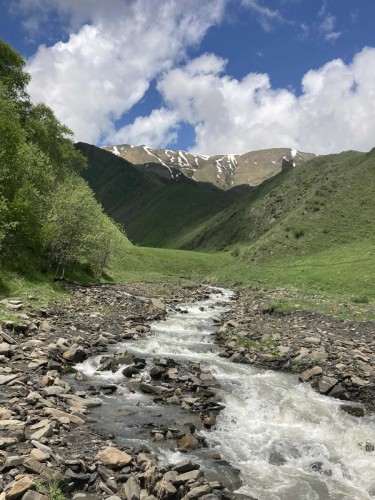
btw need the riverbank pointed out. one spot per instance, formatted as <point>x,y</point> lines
<point>336,357</point>
<point>47,438</point>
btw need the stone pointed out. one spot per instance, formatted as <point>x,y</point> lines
<point>185,466</point>
<point>209,421</point>
<point>20,487</point>
<point>165,489</point>
<point>113,457</point>
<point>187,476</point>
<point>188,442</point>
<point>337,391</point>
<point>326,384</point>
<point>33,495</point>
<point>5,350</point>
<point>358,381</point>
<point>131,489</point>
<point>75,355</point>
<point>55,413</point>
<point>311,372</point>
<point>44,432</point>
<point>156,306</point>
<point>355,411</point>
<point>152,389</point>
<point>198,492</point>
<point>46,473</point>
<point>7,338</point>
<point>5,414</point>
<point>11,425</point>
<point>7,441</point>
<point>312,340</point>
<point>53,390</point>
<point>4,379</point>
<point>39,455</point>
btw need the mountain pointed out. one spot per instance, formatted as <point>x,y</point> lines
<point>155,210</point>
<point>326,203</point>
<point>223,171</point>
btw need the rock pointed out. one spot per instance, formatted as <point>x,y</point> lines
<point>53,412</point>
<point>20,487</point>
<point>5,350</point>
<point>7,338</point>
<point>326,384</point>
<point>355,411</point>
<point>152,389</point>
<point>156,307</point>
<point>5,414</point>
<point>53,390</point>
<point>276,458</point>
<point>33,495</point>
<point>337,391</point>
<point>11,425</point>
<point>358,381</point>
<point>187,476</point>
<point>75,355</point>
<point>39,455</point>
<point>185,466</point>
<point>4,379</point>
<point>46,473</point>
<point>44,432</point>
<point>209,421</point>
<point>188,442</point>
<point>311,372</point>
<point>131,489</point>
<point>131,370</point>
<point>165,489</point>
<point>7,441</point>
<point>113,457</point>
<point>198,492</point>
<point>312,340</point>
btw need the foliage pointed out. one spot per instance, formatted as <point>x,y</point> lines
<point>47,212</point>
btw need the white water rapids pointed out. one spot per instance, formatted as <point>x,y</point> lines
<point>269,417</point>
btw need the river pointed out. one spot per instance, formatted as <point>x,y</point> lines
<point>287,441</point>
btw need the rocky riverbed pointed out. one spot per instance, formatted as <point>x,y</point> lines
<point>48,441</point>
<point>337,357</point>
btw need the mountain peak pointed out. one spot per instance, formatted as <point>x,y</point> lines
<point>224,171</point>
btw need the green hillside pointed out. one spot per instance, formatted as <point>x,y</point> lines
<point>326,202</point>
<point>154,211</point>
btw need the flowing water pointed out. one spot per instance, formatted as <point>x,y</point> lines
<point>287,441</point>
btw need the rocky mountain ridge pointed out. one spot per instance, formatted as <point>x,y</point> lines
<point>223,171</point>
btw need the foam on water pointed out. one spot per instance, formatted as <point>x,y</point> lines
<point>269,417</point>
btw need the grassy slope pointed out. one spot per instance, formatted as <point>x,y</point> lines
<point>153,211</point>
<point>310,230</point>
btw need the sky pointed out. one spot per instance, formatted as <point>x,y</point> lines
<point>210,77</point>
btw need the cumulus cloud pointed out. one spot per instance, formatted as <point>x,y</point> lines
<point>106,66</point>
<point>335,111</point>
<point>155,130</point>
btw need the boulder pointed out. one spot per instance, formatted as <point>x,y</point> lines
<point>156,307</point>
<point>113,457</point>
<point>20,487</point>
<point>188,442</point>
<point>311,372</point>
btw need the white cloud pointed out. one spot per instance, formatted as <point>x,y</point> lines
<point>327,25</point>
<point>107,64</point>
<point>266,16</point>
<point>336,110</point>
<point>155,130</point>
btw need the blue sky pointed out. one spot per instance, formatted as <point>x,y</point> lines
<point>220,76</point>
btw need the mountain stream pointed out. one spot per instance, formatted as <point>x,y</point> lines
<point>287,441</point>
